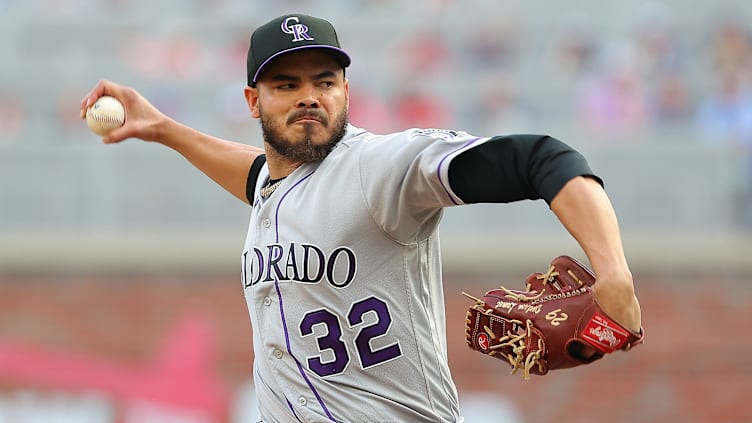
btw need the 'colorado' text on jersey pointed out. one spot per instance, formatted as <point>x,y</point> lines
<point>341,272</point>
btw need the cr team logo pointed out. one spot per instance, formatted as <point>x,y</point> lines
<point>298,30</point>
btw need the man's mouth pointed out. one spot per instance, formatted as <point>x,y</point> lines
<point>307,118</point>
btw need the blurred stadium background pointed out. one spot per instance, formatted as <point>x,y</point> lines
<point>119,292</point>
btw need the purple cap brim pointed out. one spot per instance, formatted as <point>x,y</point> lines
<point>345,62</point>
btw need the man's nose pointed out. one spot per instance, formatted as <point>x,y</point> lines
<point>308,103</point>
<point>309,98</point>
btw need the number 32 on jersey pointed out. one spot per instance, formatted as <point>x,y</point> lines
<point>334,355</point>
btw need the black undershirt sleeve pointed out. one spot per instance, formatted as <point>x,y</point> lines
<point>253,174</point>
<point>516,167</point>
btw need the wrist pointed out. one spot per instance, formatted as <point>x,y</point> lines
<point>617,298</point>
<point>165,131</point>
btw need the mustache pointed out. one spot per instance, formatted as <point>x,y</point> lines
<point>309,113</point>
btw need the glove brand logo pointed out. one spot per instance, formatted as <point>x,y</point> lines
<point>604,335</point>
<point>298,30</point>
<point>483,341</point>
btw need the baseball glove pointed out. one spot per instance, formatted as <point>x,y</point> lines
<point>548,326</point>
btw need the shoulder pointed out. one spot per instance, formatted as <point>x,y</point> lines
<point>419,135</point>
<point>440,134</point>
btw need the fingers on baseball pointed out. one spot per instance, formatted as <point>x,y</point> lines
<point>102,88</point>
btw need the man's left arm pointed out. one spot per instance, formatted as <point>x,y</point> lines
<point>586,212</point>
<point>517,167</point>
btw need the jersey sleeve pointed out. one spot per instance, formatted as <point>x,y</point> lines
<point>409,177</point>
<point>516,167</point>
<point>405,177</point>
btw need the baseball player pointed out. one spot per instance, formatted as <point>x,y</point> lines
<point>341,268</point>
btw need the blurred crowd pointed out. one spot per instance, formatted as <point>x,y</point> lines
<point>661,73</point>
<point>496,76</point>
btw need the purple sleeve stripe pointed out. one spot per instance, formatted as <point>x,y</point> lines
<point>441,164</point>
<point>282,310</point>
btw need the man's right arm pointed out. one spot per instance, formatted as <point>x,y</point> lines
<point>227,163</point>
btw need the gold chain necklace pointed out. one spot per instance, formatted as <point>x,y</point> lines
<point>269,189</point>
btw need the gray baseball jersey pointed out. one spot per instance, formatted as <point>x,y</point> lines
<point>342,275</point>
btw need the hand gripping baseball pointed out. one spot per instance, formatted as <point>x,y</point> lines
<point>555,323</point>
<point>142,118</point>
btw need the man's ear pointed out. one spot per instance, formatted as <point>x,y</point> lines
<point>347,91</point>
<point>251,97</point>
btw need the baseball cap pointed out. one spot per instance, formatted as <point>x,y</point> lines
<point>290,33</point>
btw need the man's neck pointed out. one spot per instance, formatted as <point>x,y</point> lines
<point>279,166</point>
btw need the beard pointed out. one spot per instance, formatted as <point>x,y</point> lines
<point>303,150</point>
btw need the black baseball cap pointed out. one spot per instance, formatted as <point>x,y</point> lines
<point>290,33</point>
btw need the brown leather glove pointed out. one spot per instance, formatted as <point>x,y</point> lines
<point>555,324</point>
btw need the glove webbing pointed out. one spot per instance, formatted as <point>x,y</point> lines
<point>515,342</point>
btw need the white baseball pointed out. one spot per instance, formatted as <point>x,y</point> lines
<point>106,114</point>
